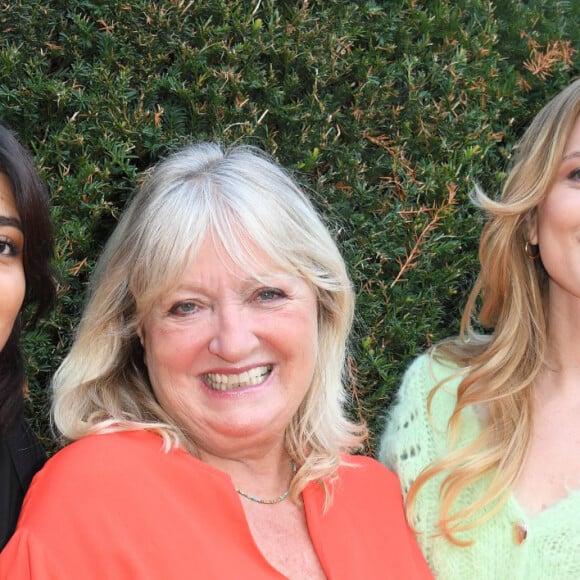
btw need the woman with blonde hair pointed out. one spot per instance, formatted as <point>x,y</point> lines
<point>485,436</point>
<point>203,398</point>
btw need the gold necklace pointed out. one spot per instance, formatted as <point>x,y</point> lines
<point>278,499</point>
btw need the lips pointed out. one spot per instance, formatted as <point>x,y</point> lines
<point>228,382</point>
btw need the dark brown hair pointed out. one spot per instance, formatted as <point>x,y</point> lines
<point>31,200</point>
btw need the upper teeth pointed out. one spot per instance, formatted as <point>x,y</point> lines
<point>222,382</point>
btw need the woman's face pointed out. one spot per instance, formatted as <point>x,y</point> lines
<point>558,230</point>
<point>12,281</point>
<point>231,357</point>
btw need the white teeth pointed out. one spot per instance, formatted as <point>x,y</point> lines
<point>222,382</point>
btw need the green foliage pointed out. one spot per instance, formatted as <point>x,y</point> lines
<point>387,110</point>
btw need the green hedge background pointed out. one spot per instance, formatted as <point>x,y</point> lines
<point>387,110</point>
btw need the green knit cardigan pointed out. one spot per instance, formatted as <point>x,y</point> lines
<point>511,545</point>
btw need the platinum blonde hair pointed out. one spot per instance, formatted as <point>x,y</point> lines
<point>246,201</point>
<point>511,289</point>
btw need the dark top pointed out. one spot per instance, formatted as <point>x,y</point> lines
<point>21,456</point>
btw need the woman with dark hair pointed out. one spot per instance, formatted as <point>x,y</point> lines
<point>26,284</point>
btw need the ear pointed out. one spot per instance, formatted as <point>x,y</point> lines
<point>532,227</point>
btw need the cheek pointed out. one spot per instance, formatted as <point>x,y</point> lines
<point>12,293</point>
<point>308,339</point>
<point>558,214</point>
<point>21,291</point>
<point>160,368</point>
<point>313,341</point>
<point>167,354</point>
<point>12,290</point>
<point>19,281</point>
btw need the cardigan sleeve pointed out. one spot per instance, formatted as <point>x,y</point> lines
<point>414,436</point>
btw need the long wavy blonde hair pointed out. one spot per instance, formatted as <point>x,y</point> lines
<point>509,297</point>
<point>238,195</point>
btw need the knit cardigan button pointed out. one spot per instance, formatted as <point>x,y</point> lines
<point>520,532</point>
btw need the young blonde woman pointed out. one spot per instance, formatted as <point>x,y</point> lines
<point>485,436</point>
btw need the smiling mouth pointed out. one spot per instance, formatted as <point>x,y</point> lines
<point>222,382</point>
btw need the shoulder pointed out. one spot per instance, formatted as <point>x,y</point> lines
<point>425,372</point>
<point>363,492</point>
<point>104,452</point>
<point>364,531</point>
<point>421,377</point>
<point>95,466</point>
<point>25,450</point>
<point>107,466</point>
<point>363,467</point>
<point>415,429</point>
<point>361,474</point>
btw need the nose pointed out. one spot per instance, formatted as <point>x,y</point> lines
<point>234,336</point>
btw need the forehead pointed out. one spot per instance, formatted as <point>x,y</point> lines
<point>573,143</point>
<point>243,259</point>
<point>8,207</point>
<point>214,263</point>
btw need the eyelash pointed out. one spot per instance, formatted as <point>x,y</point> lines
<point>574,174</point>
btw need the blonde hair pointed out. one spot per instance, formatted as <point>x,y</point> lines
<point>239,196</point>
<point>499,369</point>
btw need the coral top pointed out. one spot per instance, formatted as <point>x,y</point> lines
<point>116,506</point>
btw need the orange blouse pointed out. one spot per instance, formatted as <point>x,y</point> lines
<point>116,506</point>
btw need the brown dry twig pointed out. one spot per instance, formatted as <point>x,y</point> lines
<point>416,251</point>
<point>541,62</point>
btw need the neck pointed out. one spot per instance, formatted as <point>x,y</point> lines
<point>261,475</point>
<point>562,333</point>
<point>272,500</point>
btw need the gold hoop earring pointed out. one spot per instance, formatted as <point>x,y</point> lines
<point>532,251</point>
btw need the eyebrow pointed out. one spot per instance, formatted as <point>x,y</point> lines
<point>10,222</point>
<point>571,155</point>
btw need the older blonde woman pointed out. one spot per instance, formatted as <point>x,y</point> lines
<point>204,399</point>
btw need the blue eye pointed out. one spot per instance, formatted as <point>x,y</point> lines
<point>183,308</point>
<point>574,174</point>
<point>270,294</point>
